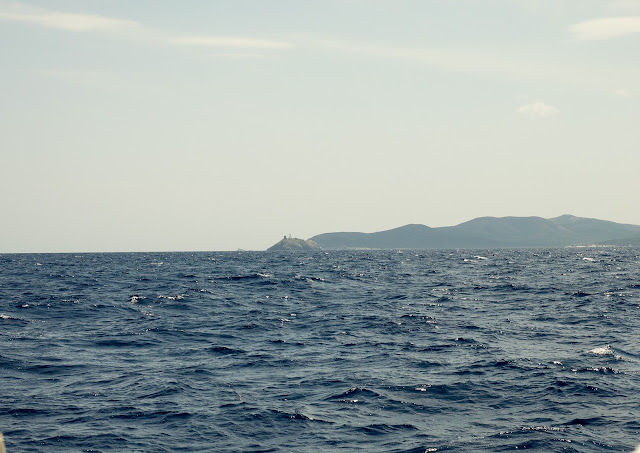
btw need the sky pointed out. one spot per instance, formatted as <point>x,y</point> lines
<point>206,125</point>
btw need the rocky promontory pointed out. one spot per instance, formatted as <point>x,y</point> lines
<point>292,244</point>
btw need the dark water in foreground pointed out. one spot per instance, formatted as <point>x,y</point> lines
<point>411,351</point>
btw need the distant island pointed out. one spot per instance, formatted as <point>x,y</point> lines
<point>482,232</point>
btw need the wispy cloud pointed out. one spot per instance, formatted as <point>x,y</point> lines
<point>486,63</point>
<point>492,63</point>
<point>63,21</point>
<point>75,22</point>
<point>230,41</point>
<point>538,110</point>
<point>471,62</point>
<point>238,55</point>
<point>606,28</point>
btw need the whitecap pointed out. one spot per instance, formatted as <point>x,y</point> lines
<point>606,350</point>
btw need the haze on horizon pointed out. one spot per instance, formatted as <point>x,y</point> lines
<point>217,125</point>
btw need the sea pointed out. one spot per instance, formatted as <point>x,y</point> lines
<point>331,351</point>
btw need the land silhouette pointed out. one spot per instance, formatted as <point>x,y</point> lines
<point>484,232</point>
<point>289,243</point>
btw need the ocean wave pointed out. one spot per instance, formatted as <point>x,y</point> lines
<point>608,351</point>
<point>354,351</point>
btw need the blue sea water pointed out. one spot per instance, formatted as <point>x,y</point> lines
<point>391,351</point>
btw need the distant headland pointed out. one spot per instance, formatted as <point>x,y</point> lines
<point>289,243</point>
<point>483,232</point>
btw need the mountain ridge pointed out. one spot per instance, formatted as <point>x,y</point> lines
<point>486,232</point>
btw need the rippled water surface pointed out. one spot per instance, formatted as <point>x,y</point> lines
<point>395,351</point>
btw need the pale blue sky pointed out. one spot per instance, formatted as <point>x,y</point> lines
<point>217,125</point>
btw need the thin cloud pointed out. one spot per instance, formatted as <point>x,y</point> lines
<point>475,62</point>
<point>230,41</point>
<point>486,63</point>
<point>238,56</point>
<point>64,21</point>
<point>606,28</point>
<point>75,22</point>
<point>538,110</point>
<point>470,62</point>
